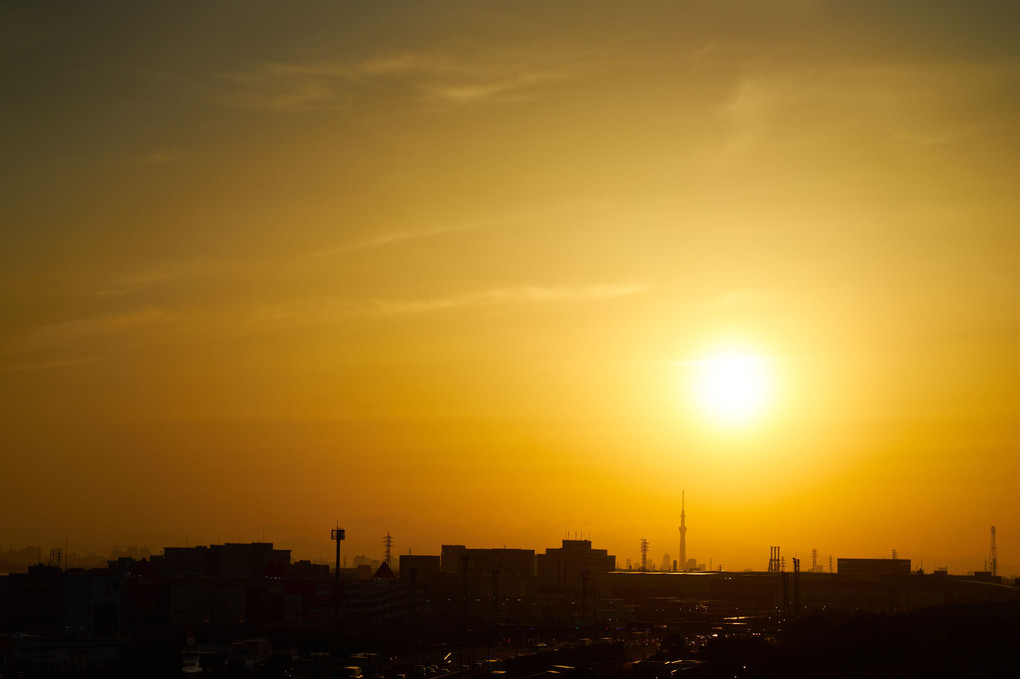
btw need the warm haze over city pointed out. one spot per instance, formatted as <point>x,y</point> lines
<point>490,273</point>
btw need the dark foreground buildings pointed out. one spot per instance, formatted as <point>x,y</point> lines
<point>234,603</point>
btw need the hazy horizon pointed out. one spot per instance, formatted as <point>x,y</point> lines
<point>323,551</point>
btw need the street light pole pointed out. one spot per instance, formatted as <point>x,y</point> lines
<point>337,534</point>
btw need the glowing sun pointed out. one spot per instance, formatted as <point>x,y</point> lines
<point>732,389</point>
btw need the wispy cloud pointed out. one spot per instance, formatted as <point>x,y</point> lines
<point>515,87</point>
<point>516,295</point>
<point>307,86</point>
<point>60,332</point>
<point>899,103</point>
<point>751,110</point>
<point>395,236</point>
<point>50,364</point>
<point>144,277</point>
<point>283,87</point>
<point>302,313</point>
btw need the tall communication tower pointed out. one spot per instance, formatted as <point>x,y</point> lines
<point>683,533</point>
<point>814,560</point>
<point>387,548</point>
<point>993,556</point>
<point>644,555</point>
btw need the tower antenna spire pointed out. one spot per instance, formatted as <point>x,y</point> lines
<point>683,532</point>
<point>993,556</point>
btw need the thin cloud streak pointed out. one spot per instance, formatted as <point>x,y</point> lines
<point>899,104</point>
<point>387,238</point>
<point>518,295</point>
<point>157,273</point>
<point>65,331</point>
<point>394,237</point>
<point>51,364</point>
<point>323,85</point>
<point>515,88</point>
<point>313,312</point>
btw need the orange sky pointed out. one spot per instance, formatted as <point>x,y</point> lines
<point>442,270</point>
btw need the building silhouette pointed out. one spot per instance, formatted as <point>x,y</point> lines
<point>230,560</point>
<point>561,568</point>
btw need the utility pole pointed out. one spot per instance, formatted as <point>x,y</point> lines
<point>337,534</point>
<point>796,587</point>
<point>786,593</point>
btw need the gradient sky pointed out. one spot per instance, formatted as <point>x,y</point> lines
<point>441,269</point>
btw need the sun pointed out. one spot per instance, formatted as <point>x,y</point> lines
<point>732,389</point>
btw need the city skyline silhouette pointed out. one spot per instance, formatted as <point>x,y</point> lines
<point>361,550</point>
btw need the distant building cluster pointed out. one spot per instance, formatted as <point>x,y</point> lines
<point>19,560</point>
